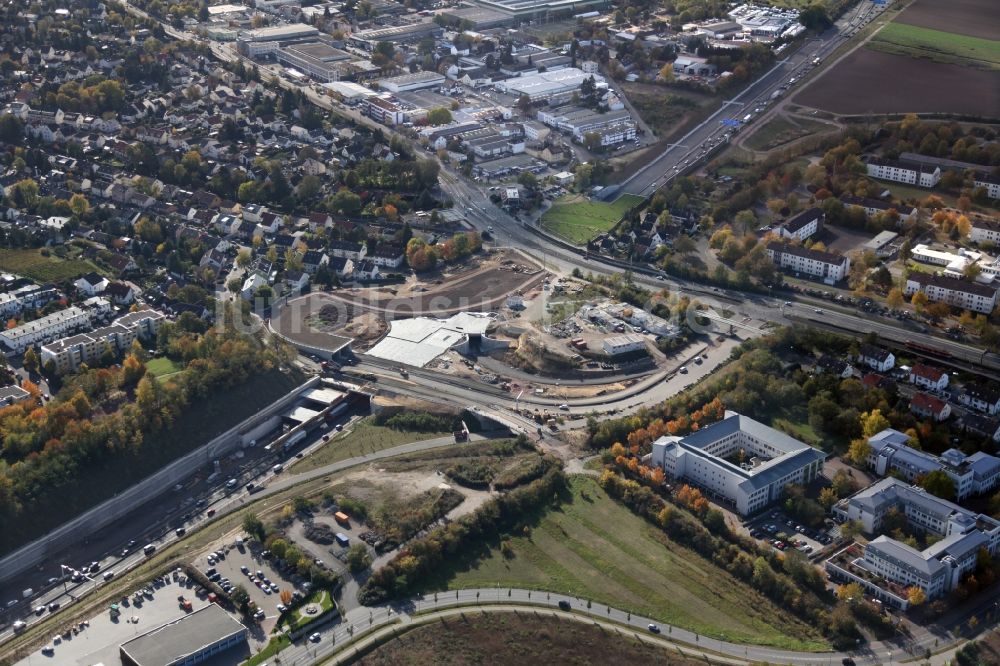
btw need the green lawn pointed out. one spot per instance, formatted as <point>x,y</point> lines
<point>597,549</point>
<point>578,220</point>
<point>364,437</point>
<point>300,618</point>
<point>32,264</point>
<point>937,45</point>
<point>274,646</point>
<point>163,366</point>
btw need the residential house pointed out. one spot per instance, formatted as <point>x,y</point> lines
<point>91,284</point>
<point>835,366</point>
<point>876,358</point>
<point>313,259</point>
<point>928,377</point>
<point>296,281</point>
<point>120,293</point>
<point>981,397</point>
<point>927,406</point>
<point>366,269</point>
<point>388,256</point>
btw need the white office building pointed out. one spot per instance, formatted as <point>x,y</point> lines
<point>941,566</point>
<point>619,345</point>
<point>891,453</point>
<point>710,458</point>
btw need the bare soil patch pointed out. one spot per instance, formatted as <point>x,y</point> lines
<point>965,17</point>
<point>872,82</point>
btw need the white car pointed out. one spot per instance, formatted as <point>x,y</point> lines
<point>315,637</point>
<point>564,407</point>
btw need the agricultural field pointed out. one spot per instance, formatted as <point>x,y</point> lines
<point>871,82</point>
<point>925,61</point>
<point>578,219</point>
<point>594,548</point>
<point>511,639</point>
<point>40,268</point>
<point>937,45</point>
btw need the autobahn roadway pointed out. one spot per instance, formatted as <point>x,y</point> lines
<point>695,145</point>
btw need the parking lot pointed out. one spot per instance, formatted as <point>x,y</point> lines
<point>239,565</point>
<point>97,640</point>
<point>783,533</point>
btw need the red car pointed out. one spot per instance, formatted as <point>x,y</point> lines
<point>210,513</point>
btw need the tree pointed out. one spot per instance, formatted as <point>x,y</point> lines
<point>358,558</point>
<point>938,483</point>
<point>666,74</point>
<point>79,205</point>
<point>852,593</point>
<point>240,598</point>
<point>253,526</point>
<point>895,298</point>
<point>684,244</point>
<point>915,595</point>
<point>814,17</point>
<point>827,498</point>
<point>859,451</point>
<point>438,116</point>
<point>286,597</point>
<point>31,360</point>
<point>873,423</point>
<point>919,300</point>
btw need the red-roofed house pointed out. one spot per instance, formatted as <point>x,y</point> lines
<point>928,376</point>
<point>928,406</point>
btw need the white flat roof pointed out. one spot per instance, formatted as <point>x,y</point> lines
<point>327,396</point>
<point>302,414</point>
<point>420,340</point>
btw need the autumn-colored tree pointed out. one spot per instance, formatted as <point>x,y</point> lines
<point>132,370</point>
<point>11,323</point>
<point>895,298</point>
<point>919,300</point>
<point>827,498</point>
<point>859,451</point>
<point>915,596</point>
<point>851,593</point>
<point>617,450</point>
<point>656,476</point>
<point>286,597</point>
<point>30,360</point>
<point>873,423</point>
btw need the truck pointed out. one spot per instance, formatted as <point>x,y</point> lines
<point>776,94</point>
<point>185,604</point>
<point>342,540</point>
<point>342,518</point>
<point>404,373</point>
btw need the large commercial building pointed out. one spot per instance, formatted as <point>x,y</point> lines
<point>69,353</point>
<point>192,639</point>
<point>548,86</point>
<point>316,59</point>
<point>829,267</point>
<point>415,81</point>
<point>547,9</point>
<point>53,326</point>
<point>710,458</point>
<point>972,296</point>
<point>938,568</point>
<point>266,41</point>
<point>973,475</point>
<point>397,34</point>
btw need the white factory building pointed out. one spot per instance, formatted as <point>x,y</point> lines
<point>419,340</point>
<point>415,81</point>
<point>548,86</point>
<point>708,459</point>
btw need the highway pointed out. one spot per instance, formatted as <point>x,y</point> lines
<point>695,146</point>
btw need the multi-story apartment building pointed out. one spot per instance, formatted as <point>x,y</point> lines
<point>984,230</point>
<point>902,171</point>
<point>972,296</point>
<point>69,353</point>
<point>830,267</point>
<point>55,325</point>
<point>802,226</point>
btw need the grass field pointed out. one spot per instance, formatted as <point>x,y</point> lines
<point>779,131</point>
<point>578,220</point>
<point>364,437</point>
<point>513,639</point>
<point>937,45</point>
<point>595,548</point>
<point>163,366</point>
<point>31,264</point>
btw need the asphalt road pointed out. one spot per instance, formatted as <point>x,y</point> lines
<point>692,148</point>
